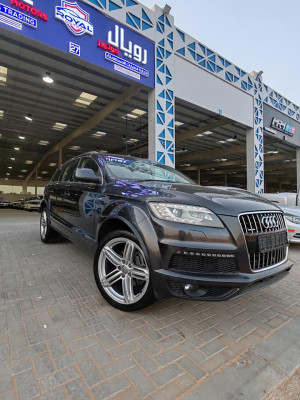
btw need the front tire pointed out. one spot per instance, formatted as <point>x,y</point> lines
<point>121,272</point>
<point>47,233</point>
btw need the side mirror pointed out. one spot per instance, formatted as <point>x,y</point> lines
<point>87,175</point>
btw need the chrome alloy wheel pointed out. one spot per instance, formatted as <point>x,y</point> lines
<point>123,271</point>
<point>43,224</point>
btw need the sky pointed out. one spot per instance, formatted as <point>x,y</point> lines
<point>255,35</point>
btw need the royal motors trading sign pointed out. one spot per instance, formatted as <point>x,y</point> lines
<point>75,18</point>
<point>83,31</point>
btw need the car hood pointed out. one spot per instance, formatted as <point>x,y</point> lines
<point>220,201</point>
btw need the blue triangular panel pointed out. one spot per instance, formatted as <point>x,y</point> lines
<point>159,107</point>
<point>169,143</point>
<point>130,3</point>
<point>171,132</point>
<point>203,48</point>
<point>168,80</point>
<point>192,46</point>
<point>159,154</point>
<point>162,94</point>
<point>158,28</point>
<point>162,43</point>
<point>162,18</point>
<point>167,21</point>
<point>192,53</point>
<point>135,19</point>
<point>181,51</point>
<point>168,71</point>
<point>171,111</point>
<point>168,53</point>
<point>113,6</point>
<point>171,157</point>
<point>171,124</point>
<point>170,36</point>
<point>162,134</point>
<point>158,80</point>
<point>163,143</point>
<point>146,26</point>
<point>182,35</point>
<point>170,94</point>
<point>145,17</point>
<point>170,43</point>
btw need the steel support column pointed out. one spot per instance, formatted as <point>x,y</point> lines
<point>161,100</point>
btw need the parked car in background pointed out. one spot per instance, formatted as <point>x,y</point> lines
<point>156,233</point>
<point>16,204</point>
<point>291,213</point>
<point>4,204</point>
<point>292,217</point>
<point>287,198</point>
<point>32,204</point>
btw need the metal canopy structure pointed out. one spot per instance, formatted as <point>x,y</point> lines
<point>26,93</point>
<point>207,144</point>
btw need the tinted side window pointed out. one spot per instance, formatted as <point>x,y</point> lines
<point>55,175</point>
<point>90,163</point>
<point>68,171</point>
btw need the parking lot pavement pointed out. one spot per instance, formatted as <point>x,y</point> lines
<point>60,340</point>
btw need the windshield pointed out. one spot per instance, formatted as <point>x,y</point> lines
<point>143,170</point>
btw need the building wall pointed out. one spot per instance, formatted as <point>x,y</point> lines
<point>199,87</point>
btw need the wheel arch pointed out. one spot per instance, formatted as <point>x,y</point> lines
<point>116,223</point>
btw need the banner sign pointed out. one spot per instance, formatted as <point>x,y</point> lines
<point>81,30</point>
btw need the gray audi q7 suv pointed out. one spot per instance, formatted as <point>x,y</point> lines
<point>156,233</point>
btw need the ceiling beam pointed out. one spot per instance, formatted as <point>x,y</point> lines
<point>91,123</point>
<point>267,159</point>
<point>212,123</point>
<point>218,153</point>
<point>207,126</point>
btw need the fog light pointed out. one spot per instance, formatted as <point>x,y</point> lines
<point>194,290</point>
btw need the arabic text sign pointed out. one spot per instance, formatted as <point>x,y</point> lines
<point>76,28</point>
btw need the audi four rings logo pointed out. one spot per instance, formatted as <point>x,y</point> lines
<point>270,222</point>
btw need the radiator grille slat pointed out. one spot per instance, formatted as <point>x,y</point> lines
<point>263,223</point>
<point>254,223</point>
<point>203,265</point>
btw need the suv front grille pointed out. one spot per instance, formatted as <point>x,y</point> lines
<point>260,261</point>
<point>262,222</point>
<point>203,265</point>
<point>270,227</point>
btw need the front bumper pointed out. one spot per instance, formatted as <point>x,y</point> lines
<point>214,287</point>
<point>173,238</point>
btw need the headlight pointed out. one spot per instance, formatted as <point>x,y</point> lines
<point>293,218</point>
<point>186,214</point>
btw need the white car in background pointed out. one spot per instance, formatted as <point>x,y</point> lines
<point>287,198</point>
<point>291,212</point>
<point>32,205</point>
<point>292,220</point>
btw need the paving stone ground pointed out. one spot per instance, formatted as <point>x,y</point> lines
<point>59,339</point>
